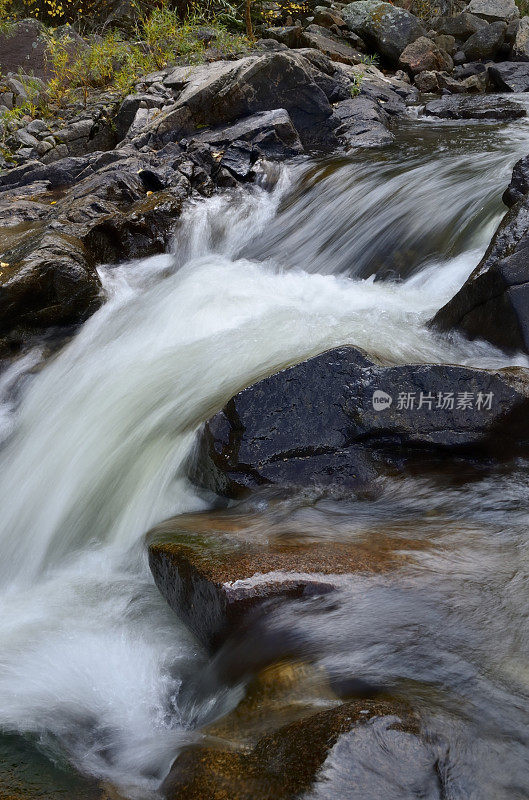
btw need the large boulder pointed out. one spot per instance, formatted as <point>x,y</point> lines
<point>385,27</point>
<point>509,77</point>
<point>481,107</point>
<point>520,49</point>
<point>493,10</point>
<point>423,54</point>
<point>486,43</point>
<point>224,91</point>
<point>339,420</point>
<point>493,304</point>
<point>270,133</point>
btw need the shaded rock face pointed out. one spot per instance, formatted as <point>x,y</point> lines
<point>339,420</point>
<point>519,185</point>
<point>215,568</point>
<point>363,123</point>
<point>290,761</point>
<point>385,27</point>
<point>461,26</point>
<point>50,282</point>
<point>520,48</point>
<point>332,46</point>
<point>482,107</point>
<point>509,77</point>
<point>493,302</point>
<point>486,43</point>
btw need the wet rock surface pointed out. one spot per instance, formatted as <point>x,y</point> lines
<point>214,569</point>
<point>340,420</point>
<point>492,304</point>
<point>293,760</point>
<point>477,107</point>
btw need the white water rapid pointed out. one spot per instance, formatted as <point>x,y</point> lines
<point>95,443</point>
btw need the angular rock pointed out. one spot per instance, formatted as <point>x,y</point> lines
<point>271,134</point>
<point>486,43</point>
<point>222,92</point>
<point>332,46</point>
<point>427,82</point>
<point>520,50</point>
<point>143,230</point>
<point>327,18</point>
<point>461,26</point>
<point>48,280</point>
<point>519,185</point>
<point>509,77</point>
<point>291,35</point>
<point>493,304</point>
<point>214,569</point>
<point>482,108</point>
<point>446,42</point>
<point>493,10</point>
<point>363,123</point>
<point>294,760</point>
<point>384,27</point>
<point>423,54</point>
<point>338,420</point>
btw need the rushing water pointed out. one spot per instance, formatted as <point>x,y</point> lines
<point>361,250</point>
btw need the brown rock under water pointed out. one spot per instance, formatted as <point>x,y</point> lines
<point>214,568</point>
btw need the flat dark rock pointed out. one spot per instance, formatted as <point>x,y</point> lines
<point>510,77</point>
<point>480,107</point>
<point>339,420</point>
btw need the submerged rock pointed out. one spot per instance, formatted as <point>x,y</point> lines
<point>214,568</point>
<point>493,304</point>
<point>339,420</point>
<point>383,26</point>
<point>480,107</point>
<point>375,740</point>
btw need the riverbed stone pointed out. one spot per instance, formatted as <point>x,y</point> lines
<point>50,279</point>
<point>484,107</point>
<point>386,28</point>
<point>318,424</point>
<point>518,187</point>
<point>493,304</point>
<point>214,569</point>
<point>363,123</point>
<point>288,762</point>
<point>509,77</point>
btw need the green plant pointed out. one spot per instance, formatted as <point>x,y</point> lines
<point>356,84</point>
<point>370,60</point>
